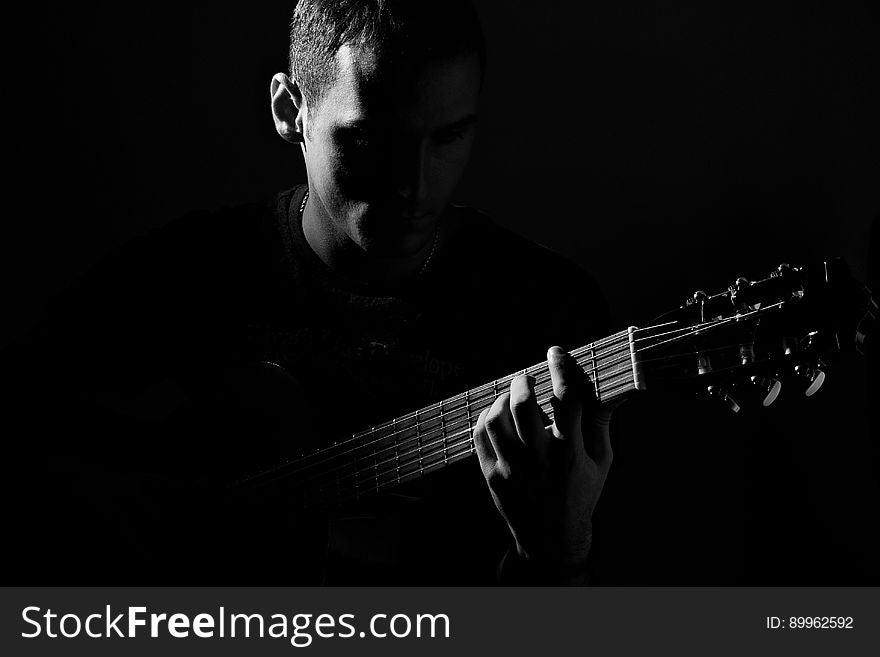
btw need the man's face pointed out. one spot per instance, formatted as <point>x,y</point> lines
<point>385,148</point>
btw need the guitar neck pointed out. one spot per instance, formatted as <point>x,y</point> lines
<point>418,443</point>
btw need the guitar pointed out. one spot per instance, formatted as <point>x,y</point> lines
<point>743,346</point>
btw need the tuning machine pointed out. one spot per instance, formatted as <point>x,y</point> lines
<point>739,291</point>
<point>812,377</point>
<point>767,389</point>
<point>781,271</point>
<point>723,395</point>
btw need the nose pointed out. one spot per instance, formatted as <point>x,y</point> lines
<point>411,174</point>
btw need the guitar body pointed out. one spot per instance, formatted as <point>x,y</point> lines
<point>400,536</point>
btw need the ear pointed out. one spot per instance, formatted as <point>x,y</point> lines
<point>288,108</point>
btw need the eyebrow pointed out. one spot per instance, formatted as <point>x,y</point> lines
<point>356,124</point>
<point>361,124</point>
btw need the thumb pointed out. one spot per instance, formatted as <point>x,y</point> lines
<point>566,376</point>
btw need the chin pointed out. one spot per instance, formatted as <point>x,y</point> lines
<point>401,243</point>
<point>393,238</point>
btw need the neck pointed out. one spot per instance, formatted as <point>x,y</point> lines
<point>343,255</point>
<point>425,440</point>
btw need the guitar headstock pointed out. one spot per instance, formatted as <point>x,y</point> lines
<point>746,344</point>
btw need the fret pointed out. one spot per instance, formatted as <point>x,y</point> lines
<point>419,439</point>
<point>375,463</point>
<point>595,376</point>
<point>443,435</point>
<point>357,483</point>
<point>638,381</point>
<point>396,449</point>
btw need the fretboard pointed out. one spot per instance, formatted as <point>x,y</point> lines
<point>418,443</point>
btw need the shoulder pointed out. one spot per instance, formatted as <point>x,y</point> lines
<point>198,260</point>
<point>200,245</point>
<point>227,229</point>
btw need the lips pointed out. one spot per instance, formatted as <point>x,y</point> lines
<point>415,218</point>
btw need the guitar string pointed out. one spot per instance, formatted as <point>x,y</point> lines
<point>397,466</point>
<point>477,392</point>
<point>696,352</point>
<point>620,346</point>
<point>425,415</point>
<point>463,411</point>
<point>598,345</point>
<point>424,450</point>
<point>451,412</point>
<point>441,442</point>
<point>430,446</point>
<point>353,494</point>
<point>470,396</point>
<point>400,467</point>
<point>395,474</point>
<point>721,322</point>
<point>417,445</point>
<point>670,357</point>
<point>300,464</point>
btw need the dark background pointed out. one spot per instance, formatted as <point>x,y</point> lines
<point>663,147</point>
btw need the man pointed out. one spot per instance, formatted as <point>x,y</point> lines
<point>377,297</point>
<point>386,129</point>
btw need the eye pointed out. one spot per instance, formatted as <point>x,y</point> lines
<point>449,136</point>
<point>356,139</point>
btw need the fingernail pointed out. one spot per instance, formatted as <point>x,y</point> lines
<point>556,353</point>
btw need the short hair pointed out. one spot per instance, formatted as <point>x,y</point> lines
<point>397,30</point>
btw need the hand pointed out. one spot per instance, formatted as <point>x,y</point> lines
<point>546,481</point>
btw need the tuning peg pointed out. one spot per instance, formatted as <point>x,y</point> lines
<point>699,299</point>
<point>814,377</point>
<point>817,378</point>
<point>738,293</point>
<point>723,395</point>
<point>768,389</point>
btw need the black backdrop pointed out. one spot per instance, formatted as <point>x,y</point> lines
<point>664,147</point>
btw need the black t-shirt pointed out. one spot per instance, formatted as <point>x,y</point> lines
<point>142,361</point>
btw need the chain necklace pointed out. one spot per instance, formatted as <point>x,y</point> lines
<point>302,207</point>
<point>427,261</point>
<point>422,269</point>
